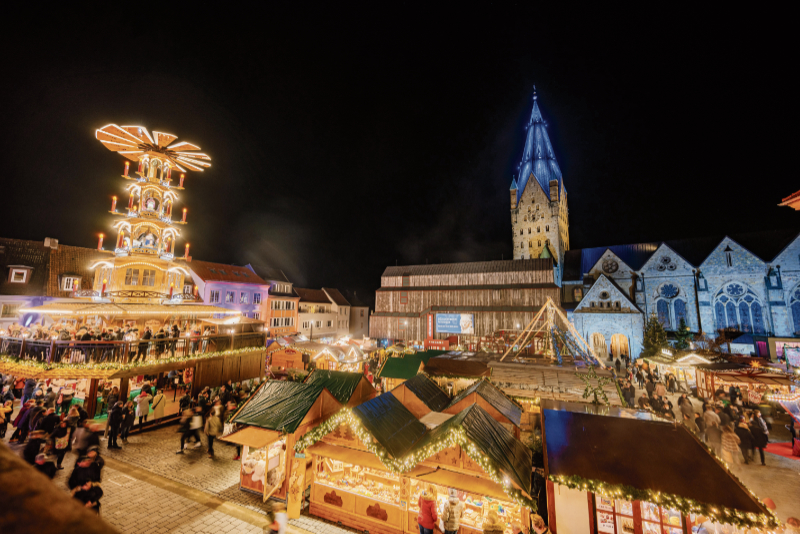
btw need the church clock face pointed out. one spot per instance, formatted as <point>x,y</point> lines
<point>610,266</point>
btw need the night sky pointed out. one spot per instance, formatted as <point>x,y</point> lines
<point>346,139</point>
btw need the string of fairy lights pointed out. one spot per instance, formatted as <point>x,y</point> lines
<point>455,436</point>
<point>117,366</point>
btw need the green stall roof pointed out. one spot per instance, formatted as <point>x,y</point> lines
<point>279,405</point>
<point>428,392</point>
<point>341,384</point>
<point>407,366</point>
<point>391,424</point>
<point>494,396</point>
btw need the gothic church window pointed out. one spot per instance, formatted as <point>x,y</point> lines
<point>739,308</point>
<point>662,310</point>
<point>679,306</point>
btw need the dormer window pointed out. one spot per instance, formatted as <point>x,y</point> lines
<point>70,283</point>
<point>19,274</point>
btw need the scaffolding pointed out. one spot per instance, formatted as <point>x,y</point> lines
<point>551,335</point>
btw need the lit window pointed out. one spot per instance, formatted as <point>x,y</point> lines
<point>243,298</point>
<point>256,298</point>
<point>149,278</point>
<point>18,276</point>
<point>213,296</point>
<point>230,296</point>
<point>70,283</point>
<point>256,315</point>
<point>132,277</point>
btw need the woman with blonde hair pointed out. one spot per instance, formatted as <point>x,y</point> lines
<point>427,510</point>
<point>492,524</point>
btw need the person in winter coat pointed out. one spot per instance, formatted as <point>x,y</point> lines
<point>492,524</point>
<point>213,428</point>
<point>83,472</point>
<point>159,401</point>
<point>44,464</point>
<point>760,438</point>
<point>50,398</point>
<point>661,390</point>
<point>128,420</point>
<point>452,513</point>
<point>745,440</point>
<point>34,446</point>
<point>20,422</point>
<point>114,424</point>
<point>730,445</point>
<point>427,511</point>
<point>61,442</point>
<point>143,407</point>
<point>27,391</point>
<point>5,416</point>
<point>89,494</point>
<point>650,387</point>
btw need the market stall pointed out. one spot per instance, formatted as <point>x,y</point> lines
<point>351,389</point>
<point>421,396</point>
<point>753,382</point>
<point>394,371</point>
<point>628,476</point>
<point>497,404</point>
<point>371,464</point>
<point>682,366</point>
<point>268,425</point>
<point>287,359</point>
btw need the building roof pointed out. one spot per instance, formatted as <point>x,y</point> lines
<point>473,267</point>
<point>336,296</point>
<point>356,301</point>
<point>406,366</point>
<point>312,295</point>
<point>494,396</point>
<point>273,275</point>
<point>664,454</point>
<point>427,391</point>
<point>21,252</point>
<point>538,157</point>
<point>451,367</point>
<point>279,405</point>
<point>220,272</point>
<point>391,424</point>
<point>765,245</point>
<point>340,383</point>
<point>69,260</point>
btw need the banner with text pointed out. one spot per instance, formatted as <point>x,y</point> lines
<point>455,323</point>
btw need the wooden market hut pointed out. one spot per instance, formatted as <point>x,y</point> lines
<point>351,389</point>
<point>455,372</point>
<point>395,371</point>
<point>287,359</point>
<point>269,424</point>
<point>421,395</point>
<point>663,483</point>
<point>752,381</point>
<point>375,485</point>
<point>492,399</point>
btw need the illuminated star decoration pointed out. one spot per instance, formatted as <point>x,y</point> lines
<point>594,390</point>
<point>134,142</point>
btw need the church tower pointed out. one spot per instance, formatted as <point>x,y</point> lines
<point>539,216</point>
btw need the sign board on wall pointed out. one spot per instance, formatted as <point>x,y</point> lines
<point>455,323</point>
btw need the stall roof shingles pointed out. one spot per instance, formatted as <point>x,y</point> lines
<point>391,423</point>
<point>279,405</point>
<point>665,453</point>
<point>470,267</point>
<point>341,384</point>
<point>405,367</point>
<point>493,396</point>
<point>500,445</point>
<point>428,392</point>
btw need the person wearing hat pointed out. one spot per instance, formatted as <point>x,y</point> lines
<point>452,512</point>
<point>427,510</point>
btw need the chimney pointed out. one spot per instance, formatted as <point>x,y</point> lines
<point>51,243</point>
<point>553,190</point>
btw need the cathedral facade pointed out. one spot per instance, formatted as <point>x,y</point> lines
<point>739,284</point>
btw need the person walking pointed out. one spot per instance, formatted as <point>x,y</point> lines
<point>5,415</point>
<point>213,428</point>
<point>128,420</point>
<point>280,519</point>
<point>61,442</point>
<point>730,445</point>
<point>89,494</point>
<point>660,390</point>
<point>650,387</point>
<point>713,429</point>
<point>159,401</point>
<point>191,423</point>
<point>742,431</point>
<point>426,518</point>
<point>452,513</point>
<point>115,418</point>
<point>143,407</point>
<point>760,438</point>
<point>44,464</point>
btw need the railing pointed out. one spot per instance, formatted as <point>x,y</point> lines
<point>122,352</point>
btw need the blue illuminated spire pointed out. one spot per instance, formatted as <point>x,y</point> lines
<point>513,184</point>
<point>538,157</point>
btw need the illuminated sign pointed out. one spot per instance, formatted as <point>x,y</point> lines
<point>455,323</point>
